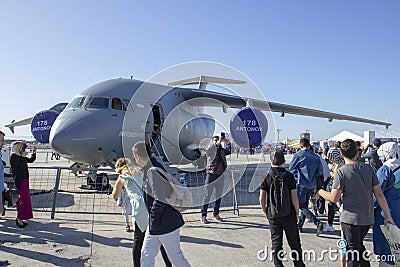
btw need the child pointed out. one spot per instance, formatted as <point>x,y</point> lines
<point>124,203</point>
<point>288,222</point>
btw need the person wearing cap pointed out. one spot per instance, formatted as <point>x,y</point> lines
<point>371,153</point>
<point>19,166</point>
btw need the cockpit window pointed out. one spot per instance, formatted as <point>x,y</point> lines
<point>98,102</point>
<point>117,104</point>
<point>76,102</point>
<point>127,105</point>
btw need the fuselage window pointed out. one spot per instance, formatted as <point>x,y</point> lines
<point>98,102</point>
<point>117,104</point>
<point>76,102</point>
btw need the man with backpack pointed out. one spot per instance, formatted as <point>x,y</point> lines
<point>309,168</point>
<point>164,220</point>
<point>278,200</point>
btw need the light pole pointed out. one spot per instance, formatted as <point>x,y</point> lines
<point>278,132</point>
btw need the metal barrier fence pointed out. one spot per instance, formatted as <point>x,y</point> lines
<point>59,190</point>
<point>63,190</point>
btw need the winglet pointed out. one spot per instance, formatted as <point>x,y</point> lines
<point>11,127</point>
<point>204,80</point>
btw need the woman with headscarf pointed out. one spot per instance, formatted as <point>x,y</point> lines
<point>19,166</point>
<point>389,179</point>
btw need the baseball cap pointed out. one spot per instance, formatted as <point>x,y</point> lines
<point>377,142</point>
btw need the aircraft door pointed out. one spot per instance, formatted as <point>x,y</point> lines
<point>155,126</point>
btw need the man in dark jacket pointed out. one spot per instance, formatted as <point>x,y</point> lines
<point>216,164</point>
<point>164,221</point>
<point>371,153</point>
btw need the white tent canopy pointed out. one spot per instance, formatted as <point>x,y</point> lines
<point>359,136</point>
<point>346,135</point>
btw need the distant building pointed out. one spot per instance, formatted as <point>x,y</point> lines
<point>305,135</point>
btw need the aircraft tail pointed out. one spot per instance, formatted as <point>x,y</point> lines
<point>202,81</point>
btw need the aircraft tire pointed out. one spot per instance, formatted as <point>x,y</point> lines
<point>102,181</point>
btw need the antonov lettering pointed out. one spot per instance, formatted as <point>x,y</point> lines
<point>249,129</point>
<point>45,128</point>
<point>130,134</point>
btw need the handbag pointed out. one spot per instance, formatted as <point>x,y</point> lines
<point>392,235</point>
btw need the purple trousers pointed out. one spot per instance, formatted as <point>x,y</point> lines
<point>24,204</point>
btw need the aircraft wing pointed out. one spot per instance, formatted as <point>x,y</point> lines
<point>58,108</point>
<point>214,99</point>
<point>18,123</point>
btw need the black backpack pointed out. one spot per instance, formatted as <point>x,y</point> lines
<point>279,197</point>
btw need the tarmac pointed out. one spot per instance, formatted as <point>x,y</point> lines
<point>101,240</point>
<point>84,239</point>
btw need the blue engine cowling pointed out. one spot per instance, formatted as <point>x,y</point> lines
<point>41,125</point>
<point>248,127</point>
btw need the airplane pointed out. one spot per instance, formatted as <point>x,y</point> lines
<point>101,123</point>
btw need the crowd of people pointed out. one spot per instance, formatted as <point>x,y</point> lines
<point>367,194</point>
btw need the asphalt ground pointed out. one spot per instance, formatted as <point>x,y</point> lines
<point>101,240</point>
<point>77,238</point>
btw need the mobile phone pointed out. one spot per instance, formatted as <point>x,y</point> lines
<point>222,135</point>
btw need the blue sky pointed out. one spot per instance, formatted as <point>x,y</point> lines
<point>339,56</point>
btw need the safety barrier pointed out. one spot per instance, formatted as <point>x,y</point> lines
<point>59,190</point>
<point>65,190</point>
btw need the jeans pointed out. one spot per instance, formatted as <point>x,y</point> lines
<point>170,241</point>
<point>331,206</point>
<point>304,194</point>
<point>354,236</point>
<point>277,226</point>
<point>211,183</point>
<point>321,201</point>
<point>138,237</point>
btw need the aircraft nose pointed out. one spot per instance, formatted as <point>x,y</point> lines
<point>68,135</point>
<point>58,141</point>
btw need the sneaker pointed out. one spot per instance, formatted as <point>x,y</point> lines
<point>128,229</point>
<point>329,228</point>
<point>2,263</point>
<point>218,218</point>
<point>308,220</point>
<point>320,228</point>
<point>204,220</point>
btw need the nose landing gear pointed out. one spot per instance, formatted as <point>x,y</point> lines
<point>99,181</point>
